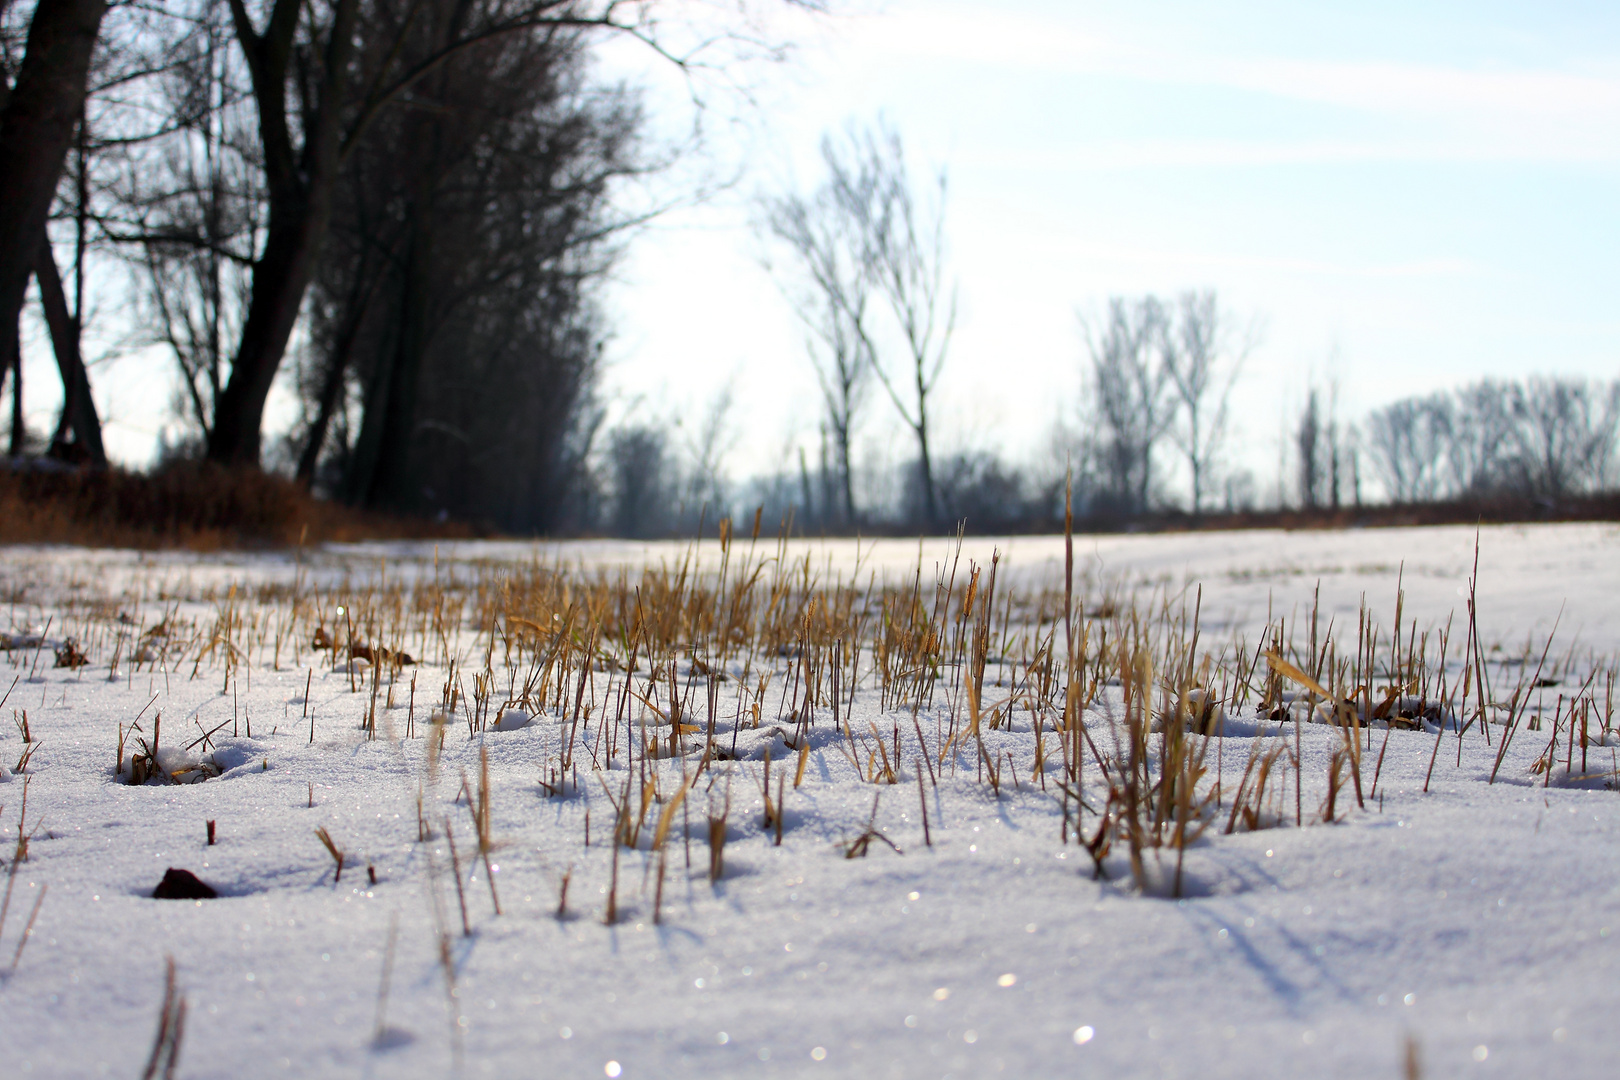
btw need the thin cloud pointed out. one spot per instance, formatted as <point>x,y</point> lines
<point>990,37</point>
<point>1407,88</point>
<point>1066,248</point>
<point>1124,155</point>
<point>1517,114</point>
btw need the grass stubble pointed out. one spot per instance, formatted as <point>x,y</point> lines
<point>1109,701</point>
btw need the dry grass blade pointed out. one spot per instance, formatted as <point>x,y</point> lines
<point>717,837</point>
<point>332,850</point>
<point>28,928</point>
<point>380,1028</point>
<point>479,807</point>
<point>667,818</point>
<point>858,848</point>
<point>171,1030</point>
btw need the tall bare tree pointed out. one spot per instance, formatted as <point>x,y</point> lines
<point>707,448</point>
<point>830,286</point>
<point>905,235</point>
<point>189,205</point>
<point>1309,446</point>
<point>1202,363</point>
<point>38,115</point>
<point>1566,434</point>
<point>1482,442</point>
<point>1407,442</point>
<point>322,72</point>
<point>1133,397</point>
<point>642,481</point>
<point>453,335</point>
<point>78,431</point>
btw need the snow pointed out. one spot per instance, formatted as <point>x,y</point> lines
<point>1477,919</point>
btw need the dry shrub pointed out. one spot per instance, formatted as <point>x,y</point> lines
<point>196,505</point>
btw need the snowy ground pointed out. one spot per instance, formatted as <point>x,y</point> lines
<point>1477,920</point>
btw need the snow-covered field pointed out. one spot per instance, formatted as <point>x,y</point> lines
<point>1473,925</point>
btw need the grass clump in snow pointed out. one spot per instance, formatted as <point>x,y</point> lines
<point>1109,704</point>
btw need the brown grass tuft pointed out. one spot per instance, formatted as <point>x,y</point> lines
<point>193,505</point>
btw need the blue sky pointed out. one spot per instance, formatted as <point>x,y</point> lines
<point>1403,196</point>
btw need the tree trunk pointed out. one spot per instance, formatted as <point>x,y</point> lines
<point>362,464</point>
<point>846,480</point>
<point>11,363</point>
<point>805,491</point>
<point>925,462</point>
<point>391,483</point>
<point>280,278</point>
<point>380,470</point>
<point>381,467</point>
<point>310,456</point>
<point>78,408</point>
<point>1195,457</point>
<point>358,303</point>
<point>300,187</point>
<point>36,129</point>
<point>19,430</point>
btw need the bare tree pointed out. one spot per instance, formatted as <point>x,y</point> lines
<point>708,448</point>
<point>322,73</point>
<point>1132,396</point>
<point>906,237</point>
<point>642,481</point>
<point>192,205</point>
<point>1547,437</point>
<point>500,175</point>
<point>1566,434</point>
<point>342,302</point>
<point>455,307</point>
<point>1407,442</point>
<point>866,239</point>
<point>1203,365</point>
<point>116,118</point>
<point>78,431</point>
<point>38,116</point>
<point>830,290</point>
<point>1481,450</point>
<point>1308,446</point>
<point>19,426</point>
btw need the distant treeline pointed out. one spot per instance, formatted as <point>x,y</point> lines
<point>1545,438</point>
<point>1496,449</point>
